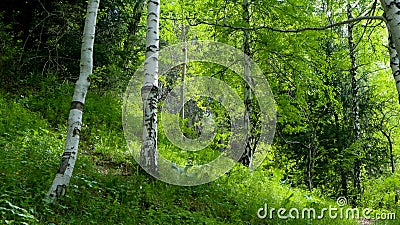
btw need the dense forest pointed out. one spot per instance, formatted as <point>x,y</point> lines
<point>199,112</point>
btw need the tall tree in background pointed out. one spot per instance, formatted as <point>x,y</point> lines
<point>184,67</point>
<point>148,153</point>
<point>68,160</point>
<point>355,106</point>
<point>249,121</point>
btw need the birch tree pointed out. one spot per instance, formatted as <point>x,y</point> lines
<point>355,102</point>
<point>247,157</point>
<point>148,153</point>
<point>392,17</point>
<point>68,160</point>
<point>184,67</point>
<point>394,61</point>
<point>392,10</point>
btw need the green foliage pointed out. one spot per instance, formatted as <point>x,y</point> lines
<point>113,190</point>
<point>10,50</point>
<point>15,213</point>
<point>308,72</point>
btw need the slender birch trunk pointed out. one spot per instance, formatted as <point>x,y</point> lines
<point>68,160</point>
<point>148,153</point>
<point>394,62</point>
<point>355,106</point>
<point>247,157</point>
<point>184,66</point>
<point>392,17</point>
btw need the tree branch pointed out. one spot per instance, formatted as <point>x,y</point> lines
<point>291,142</point>
<point>352,20</point>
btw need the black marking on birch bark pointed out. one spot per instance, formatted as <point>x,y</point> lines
<point>60,190</point>
<point>77,105</point>
<point>64,165</point>
<point>147,90</point>
<point>151,47</point>
<point>153,14</point>
<point>154,2</point>
<point>149,97</point>
<point>75,132</point>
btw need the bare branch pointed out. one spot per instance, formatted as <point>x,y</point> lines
<point>352,20</point>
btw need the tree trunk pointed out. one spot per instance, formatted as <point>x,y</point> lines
<point>355,106</point>
<point>312,149</point>
<point>394,61</point>
<point>148,153</point>
<point>184,65</point>
<point>392,161</point>
<point>247,157</point>
<point>392,10</point>
<point>343,182</point>
<point>309,168</point>
<point>68,160</point>
<point>134,26</point>
<point>391,14</point>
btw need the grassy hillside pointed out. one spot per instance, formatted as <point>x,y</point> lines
<point>108,187</point>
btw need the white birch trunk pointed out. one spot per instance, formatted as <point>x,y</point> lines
<point>392,17</point>
<point>68,160</point>
<point>394,62</point>
<point>148,153</point>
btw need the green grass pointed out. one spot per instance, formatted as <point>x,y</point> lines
<point>108,187</point>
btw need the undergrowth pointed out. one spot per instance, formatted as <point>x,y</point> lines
<point>108,186</point>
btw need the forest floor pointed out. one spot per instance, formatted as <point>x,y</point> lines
<point>108,186</point>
